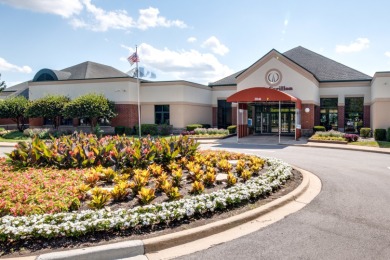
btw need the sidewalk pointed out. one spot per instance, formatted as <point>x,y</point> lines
<point>289,141</point>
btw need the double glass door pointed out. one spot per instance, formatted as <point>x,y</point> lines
<point>267,119</point>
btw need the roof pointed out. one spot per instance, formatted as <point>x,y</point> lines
<point>229,80</point>
<point>93,70</point>
<point>322,68</point>
<point>20,89</point>
<point>85,70</point>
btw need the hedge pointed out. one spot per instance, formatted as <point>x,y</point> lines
<point>232,129</point>
<point>147,129</point>
<point>388,134</point>
<point>380,134</point>
<point>192,127</point>
<point>365,132</point>
<point>319,128</point>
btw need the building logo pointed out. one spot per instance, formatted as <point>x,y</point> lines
<point>273,77</point>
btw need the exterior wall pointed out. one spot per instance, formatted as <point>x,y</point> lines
<point>221,92</point>
<point>36,122</point>
<point>341,90</point>
<point>305,87</point>
<point>380,106</point>
<point>341,117</point>
<point>180,114</point>
<point>366,116</point>
<point>307,119</point>
<point>215,117</point>
<point>380,114</point>
<point>127,115</point>
<point>117,90</point>
<point>178,91</point>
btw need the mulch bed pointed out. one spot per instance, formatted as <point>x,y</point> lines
<point>41,246</point>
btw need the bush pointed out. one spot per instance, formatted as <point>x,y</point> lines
<point>207,126</point>
<point>351,137</point>
<point>388,134</point>
<point>129,131</point>
<point>40,132</point>
<point>365,132</point>
<point>119,130</point>
<point>16,135</point>
<point>192,127</point>
<point>232,129</point>
<point>147,129</point>
<point>380,134</point>
<point>165,129</point>
<point>319,128</point>
<point>188,133</point>
<point>2,129</point>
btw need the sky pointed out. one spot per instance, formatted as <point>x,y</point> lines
<point>200,41</point>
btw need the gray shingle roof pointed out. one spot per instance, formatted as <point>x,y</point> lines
<point>93,70</point>
<point>322,68</point>
<point>229,80</point>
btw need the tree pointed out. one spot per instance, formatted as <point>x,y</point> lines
<point>2,84</point>
<point>14,108</point>
<point>90,106</point>
<point>50,106</point>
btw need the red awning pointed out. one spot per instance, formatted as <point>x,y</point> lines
<point>261,94</point>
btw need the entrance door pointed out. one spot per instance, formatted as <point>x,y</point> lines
<point>267,118</point>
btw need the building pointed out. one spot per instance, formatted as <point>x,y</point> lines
<point>291,92</point>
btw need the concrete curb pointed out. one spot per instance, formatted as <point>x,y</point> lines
<point>119,250</point>
<point>166,241</point>
<point>358,149</point>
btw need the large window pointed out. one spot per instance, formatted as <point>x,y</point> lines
<point>354,107</point>
<point>161,114</point>
<point>224,114</point>
<point>328,113</point>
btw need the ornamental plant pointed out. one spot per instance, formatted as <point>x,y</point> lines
<point>197,187</point>
<point>99,198</point>
<point>173,193</point>
<point>146,195</point>
<point>231,179</point>
<point>120,191</point>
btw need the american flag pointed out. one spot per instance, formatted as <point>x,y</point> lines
<point>133,58</point>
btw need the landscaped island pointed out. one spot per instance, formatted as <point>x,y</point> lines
<point>80,185</point>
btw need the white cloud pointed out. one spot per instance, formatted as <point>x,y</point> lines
<point>191,39</point>
<point>6,66</point>
<point>64,8</point>
<point>358,45</point>
<point>188,65</point>
<point>150,18</point>
<point>387,53</point>
<point>215,45</point>
<point>103,20</point>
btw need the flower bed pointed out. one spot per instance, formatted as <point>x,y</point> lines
<point>80,223</point>
<point>333,137</point>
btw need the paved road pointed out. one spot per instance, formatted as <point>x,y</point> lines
<point>5,150</point>
<point>349,219</point>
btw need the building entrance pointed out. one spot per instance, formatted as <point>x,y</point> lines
<point>266,118</point>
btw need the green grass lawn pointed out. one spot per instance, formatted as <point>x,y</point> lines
<point>381,144</point>
<point>14,136</point>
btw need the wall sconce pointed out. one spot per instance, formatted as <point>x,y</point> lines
<point>307,110</point>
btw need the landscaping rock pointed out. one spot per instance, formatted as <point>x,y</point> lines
<point>221,177</point>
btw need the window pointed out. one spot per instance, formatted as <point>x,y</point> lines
<point>224,114</point>
<point>47,121</point>
<point>66,121</point>
<point>353,114</point>
<point>329,113</point>
<point>85,122</point>
<point>104,122</point>
<point>161,114</point>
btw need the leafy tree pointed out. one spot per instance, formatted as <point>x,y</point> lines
<point>2,84</point>
<point>50,106</point>
<point>90,106</point>
<point>14,108</point>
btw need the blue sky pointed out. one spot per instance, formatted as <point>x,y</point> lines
<point>200,41</point>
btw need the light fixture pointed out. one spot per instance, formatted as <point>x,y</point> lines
<point>307,110</point>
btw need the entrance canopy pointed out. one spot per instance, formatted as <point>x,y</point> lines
<point>261,94</point>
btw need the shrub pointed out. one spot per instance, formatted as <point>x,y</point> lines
<point>165,129</point>
<point>200,131</point>
<point>319,128</point>
<point>365,132</point>
<point>192,127</point>
<point>129,131</point>
<point>42,133</point>
<point>232,129</point>
<point>147,129</point>
<point>119,130</point>
<point>380,134</point>
<point>351,137</point>
<point>388,134</point>
<point>206,126</point>
<point>188,133</point>
<point>2,129</point>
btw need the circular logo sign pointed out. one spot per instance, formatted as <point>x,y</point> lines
<point>273,77</point>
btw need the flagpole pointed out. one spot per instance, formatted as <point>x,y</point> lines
<point>138,87</point>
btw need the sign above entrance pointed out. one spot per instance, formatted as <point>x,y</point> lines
<point>273,77</point>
